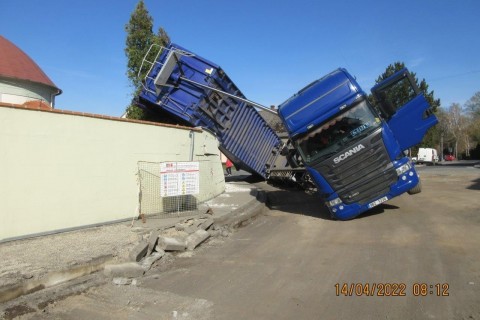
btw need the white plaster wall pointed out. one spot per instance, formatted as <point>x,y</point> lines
<point>61,171</point>
<point>19,91</point>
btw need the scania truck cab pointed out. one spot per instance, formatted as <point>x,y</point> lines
<point>353,152</point>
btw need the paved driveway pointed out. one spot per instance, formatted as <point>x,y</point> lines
<point>414,257</point>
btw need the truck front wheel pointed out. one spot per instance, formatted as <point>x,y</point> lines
<point>416,189</point>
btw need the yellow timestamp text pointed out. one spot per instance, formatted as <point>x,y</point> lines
<point>391,289</point>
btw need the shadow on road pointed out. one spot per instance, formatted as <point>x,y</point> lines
<point>475,185</point>
<point>291,199</point>
<point>298,202</point>
<point>384,207</point>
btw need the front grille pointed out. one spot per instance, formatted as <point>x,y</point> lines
<point>363,176</point>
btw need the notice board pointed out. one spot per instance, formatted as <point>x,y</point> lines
<point>179,178</point>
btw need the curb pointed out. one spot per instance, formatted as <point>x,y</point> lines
<point>54,278</point>
<point>246,212</point>
<point>233,219</point>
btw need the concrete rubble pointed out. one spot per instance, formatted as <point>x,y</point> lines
<point>153,247</point>
<point>196,238</point>
<point>152,240</point>
<point>151,259</point>
<point>124,270</point>
<point>171,244</point>
<point>139,251</point>
<point>124,281</point>
<point>144,246</point>
<point>187,234</point>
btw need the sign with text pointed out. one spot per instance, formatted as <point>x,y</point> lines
<point>179,178</point>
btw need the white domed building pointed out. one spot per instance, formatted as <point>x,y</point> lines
<point>22,82</point>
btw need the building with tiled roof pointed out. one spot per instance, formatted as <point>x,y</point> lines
<point>22,82</point>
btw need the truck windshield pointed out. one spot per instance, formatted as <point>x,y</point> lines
<point>338,133</point>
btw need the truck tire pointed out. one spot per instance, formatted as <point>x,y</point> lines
<point>416,189</point>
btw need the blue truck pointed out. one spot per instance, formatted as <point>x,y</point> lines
<point>350,151</point>
<point>354,152</point>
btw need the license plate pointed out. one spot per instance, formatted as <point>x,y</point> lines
<point>377,202</point>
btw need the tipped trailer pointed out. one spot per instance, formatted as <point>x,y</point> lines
<point>198,92</point>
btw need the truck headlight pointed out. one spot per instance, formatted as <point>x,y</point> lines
<point>403,168</point>
<point>334,202</point>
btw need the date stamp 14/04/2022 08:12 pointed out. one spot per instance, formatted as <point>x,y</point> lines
<point>391,289</point>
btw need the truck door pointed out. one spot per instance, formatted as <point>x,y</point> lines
<point>405,108</point>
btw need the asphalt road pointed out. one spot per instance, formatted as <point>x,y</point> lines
<point>399,261</point>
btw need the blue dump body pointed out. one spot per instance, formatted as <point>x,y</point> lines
<point>244,135</point>
<point>352,151</point>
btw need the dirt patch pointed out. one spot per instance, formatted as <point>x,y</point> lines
<point>16,311</point>
<point>32,259</point>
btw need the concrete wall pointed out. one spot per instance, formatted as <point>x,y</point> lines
<point>60,171</point>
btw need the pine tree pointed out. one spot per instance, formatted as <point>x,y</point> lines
<point>140,37</point>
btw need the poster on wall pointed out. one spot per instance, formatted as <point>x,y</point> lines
<point>179,178</point>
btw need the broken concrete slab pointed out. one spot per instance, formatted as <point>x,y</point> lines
<point>124,270</point>
<point>196,238</point>
<point>203,208</point>
<point>171,244</point>
<point>152,241</point>
<point>191,229</point>
<point>147,262</point>
<point>121,281</point>
<point>206,224</point>
<point>139,251</point>
<point>214,233</point>
<point>188,221</point>
<point>204,216</point>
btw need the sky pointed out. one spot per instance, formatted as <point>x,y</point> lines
<point>269,48</point>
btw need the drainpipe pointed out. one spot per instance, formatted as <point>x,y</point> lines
<point>52,97</point>
<point>192,144</point>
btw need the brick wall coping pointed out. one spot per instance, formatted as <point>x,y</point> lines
<point>97,116</point>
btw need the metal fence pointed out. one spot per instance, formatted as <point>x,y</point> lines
<point>155,202</point>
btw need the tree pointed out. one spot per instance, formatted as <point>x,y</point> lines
<point>442,130</point>
<point>402,94</point>
<point>472,109</point>
<point>474,130</point>
<point>139,39</point>
<point>162,37</point>
<point>460,128</point>
<point>454,124</point>
<point>472,106</point>
<point>459,125</point>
